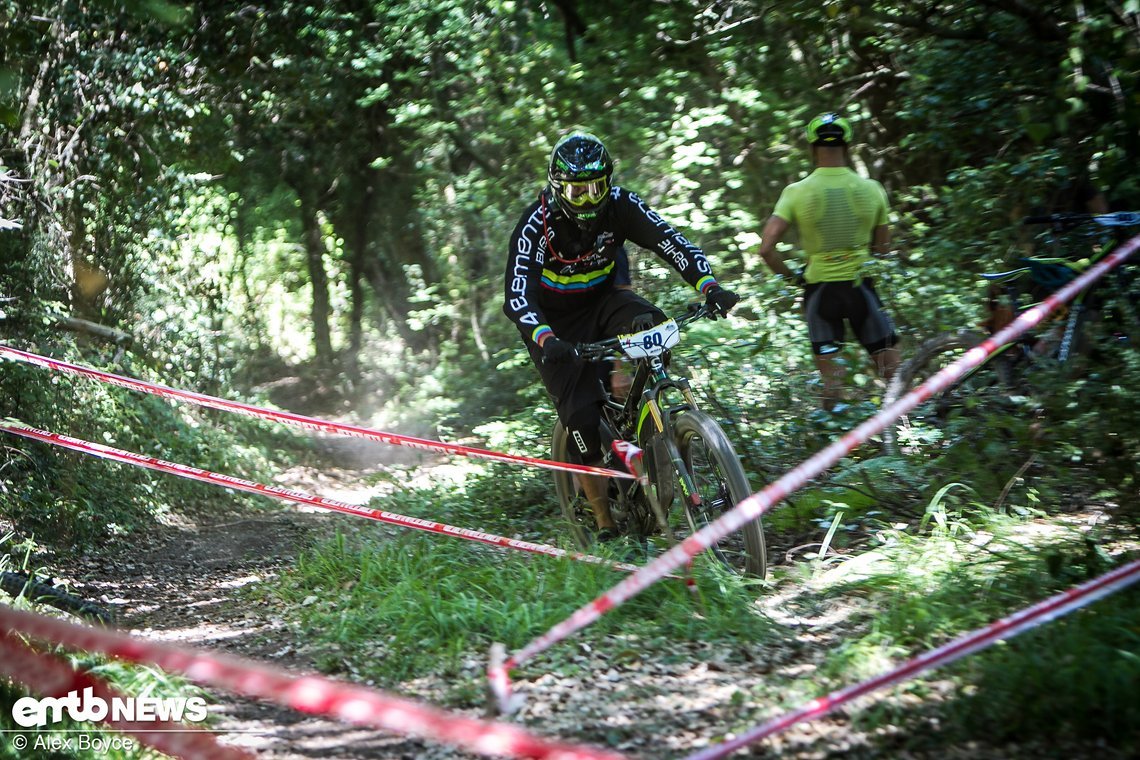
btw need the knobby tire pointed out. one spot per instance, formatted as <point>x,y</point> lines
<point>963,398</point>
<point>722,484</point>
<point>40,592</point>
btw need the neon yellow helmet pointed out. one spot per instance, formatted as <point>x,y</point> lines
<point>829,129</point>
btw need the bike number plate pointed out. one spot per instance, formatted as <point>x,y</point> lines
<point>652,342</point>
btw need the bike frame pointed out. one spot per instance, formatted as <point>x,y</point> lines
<point>1062,224</point>
<point>648,399</point>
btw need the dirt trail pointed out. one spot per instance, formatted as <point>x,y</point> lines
<point>180,584</point>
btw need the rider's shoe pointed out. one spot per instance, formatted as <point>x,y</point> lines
<point>608,535</point>
<point>626,548</point>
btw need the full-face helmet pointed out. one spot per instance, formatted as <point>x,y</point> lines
<point>579,176</point>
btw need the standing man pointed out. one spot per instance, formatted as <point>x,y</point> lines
<point>563,286</point>
<point>841,219</point>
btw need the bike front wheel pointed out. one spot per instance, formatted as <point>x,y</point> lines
<point>721,484</point>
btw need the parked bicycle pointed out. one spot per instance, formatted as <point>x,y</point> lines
<point>686,454</point>
<point>1004,381</point>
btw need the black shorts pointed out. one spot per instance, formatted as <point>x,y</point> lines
<point>578,389</point>
<point>828,305</point>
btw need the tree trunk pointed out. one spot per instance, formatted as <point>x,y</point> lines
<point>321,310</point>
<point>357,251</point>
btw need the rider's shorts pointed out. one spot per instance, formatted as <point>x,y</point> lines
<point>828,305</point>
<point>578,389</point>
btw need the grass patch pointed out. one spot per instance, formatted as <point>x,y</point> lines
<point>391,607</point>
<point>418,605</point>
<point>1078,676</point>
<point>1073,679</point>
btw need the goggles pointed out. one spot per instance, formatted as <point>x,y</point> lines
<point>584,194</point>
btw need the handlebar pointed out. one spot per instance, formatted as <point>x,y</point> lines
<point>592,352</point>
<point>1115,219</point>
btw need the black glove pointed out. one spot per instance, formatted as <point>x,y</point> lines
<point>558,351</point>
<point>643,322</point>
<point>720,301</point>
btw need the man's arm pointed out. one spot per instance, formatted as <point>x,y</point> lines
<point>774,229</point>
<point>523,275</point>
<point>881,240</point>
<point>646,228</point>
<point>881,232</point>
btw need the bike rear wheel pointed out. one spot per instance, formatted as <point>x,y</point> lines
<point>722,484</point>
<point>954,416</point>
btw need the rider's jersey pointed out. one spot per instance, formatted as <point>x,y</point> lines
<point>835,211</point>
<point>554,266</point>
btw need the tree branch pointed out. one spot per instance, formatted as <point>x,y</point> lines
<point>575,26</point>
<point>465,147</point>
<point>727,29</point>
<point>75,324</point>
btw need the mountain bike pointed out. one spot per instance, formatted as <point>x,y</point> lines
<point>1005,382</point>
<point>44,591</point>
<point>688,459</point>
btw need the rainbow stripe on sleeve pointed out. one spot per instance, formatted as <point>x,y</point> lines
<point>539,332</point>
<point>706,283</point>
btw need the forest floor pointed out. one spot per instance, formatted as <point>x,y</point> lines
<point>182,584</point>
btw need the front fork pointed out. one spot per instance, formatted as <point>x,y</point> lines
<point>673,453</point>
<point>1070,335</point>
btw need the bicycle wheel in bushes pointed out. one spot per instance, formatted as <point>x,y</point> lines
<point>963,413</point>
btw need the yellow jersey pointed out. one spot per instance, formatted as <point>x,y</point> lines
<point>835,211</point>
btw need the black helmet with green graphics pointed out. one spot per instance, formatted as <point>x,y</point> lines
<point>829,129</point>
<point>579,176</point>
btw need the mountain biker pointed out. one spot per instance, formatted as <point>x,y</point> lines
<point>562,287</point>
<point>842,220</point>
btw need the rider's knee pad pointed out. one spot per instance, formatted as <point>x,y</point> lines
<point>583,436</point>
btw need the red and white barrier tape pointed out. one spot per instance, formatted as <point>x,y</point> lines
<point>757,504</point>
<point>311,694</point>
<point>299,497</point>
<point>1008,627</point>
<point>300,420</point>
<point>51,676</point>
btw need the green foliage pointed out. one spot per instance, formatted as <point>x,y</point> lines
<point>919,590</point>
<point>1094,433</point>
<point>66,497</point>
<point>1078,675</point>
